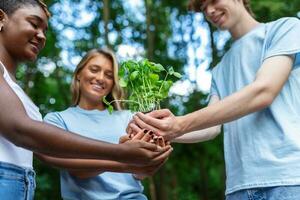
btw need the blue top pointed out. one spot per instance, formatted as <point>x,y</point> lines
<point>262,149</point>
<point>103,126</point>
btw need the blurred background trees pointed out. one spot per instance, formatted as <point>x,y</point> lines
<point>164,32</point>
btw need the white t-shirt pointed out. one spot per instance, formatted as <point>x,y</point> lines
<point>9,152</point>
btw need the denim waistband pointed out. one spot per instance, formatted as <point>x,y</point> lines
<point>17,169</point>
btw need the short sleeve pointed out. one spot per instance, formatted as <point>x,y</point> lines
<point>283,38</point>
<point>55,119</point>
<point>213,90</point>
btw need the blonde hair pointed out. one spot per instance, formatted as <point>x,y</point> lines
<point>116,93</point>
<point>195,5</point>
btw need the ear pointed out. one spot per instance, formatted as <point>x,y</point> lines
<point>78,77</point>
<point>3,17</point>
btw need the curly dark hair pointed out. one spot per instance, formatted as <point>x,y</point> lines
<point>195,5</point>
<point>10,6</point>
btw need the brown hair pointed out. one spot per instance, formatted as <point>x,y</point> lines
<point>44,7</point>
<point>195,5</point>
<point>117,92</point>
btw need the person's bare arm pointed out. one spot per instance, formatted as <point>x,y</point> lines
<point>86,168</point>
<point>256,96</point>
<point>40,137</point>
<point>201,135</point>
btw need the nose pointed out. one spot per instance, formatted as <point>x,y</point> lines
<point>41,36</point>
<point>100,76</point>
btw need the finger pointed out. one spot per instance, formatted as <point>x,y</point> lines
<point>124,138</point>
<point>163,156</point>
<point>135,128</point>
<point>145,121</point>
<point>159,114</point>
<point>161,141</point>
<point>151,147</point>
<point>139,135</point>
<point>128,128</point>
<point>148,136</point>
<point>144,125</point>
<point>156,141</point>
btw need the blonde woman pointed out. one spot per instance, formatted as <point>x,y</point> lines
<point>94,78</point>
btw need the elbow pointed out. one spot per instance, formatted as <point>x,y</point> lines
<point>42,158</point>
<point>22,136</point>
<point>215,132</point>
<point>265,96</point>
<point>14,132</point>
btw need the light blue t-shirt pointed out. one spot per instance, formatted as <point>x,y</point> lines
<point>262,149</point>
<point>103,126</point>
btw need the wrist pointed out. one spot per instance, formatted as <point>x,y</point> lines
<point>181,123</point>
<point>184,125</point>
<point>120,152</point>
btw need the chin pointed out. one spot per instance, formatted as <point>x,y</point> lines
<point>30,57</point>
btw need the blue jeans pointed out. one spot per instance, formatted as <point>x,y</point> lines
<point>16,183</point>
<point>268,193</point>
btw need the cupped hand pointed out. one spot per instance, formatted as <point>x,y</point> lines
<point>141,153</point>
<point>163,122</point>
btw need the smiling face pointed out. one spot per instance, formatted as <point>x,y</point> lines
<point>23,34</point>
<point>96,80</point>
<point>223,14</point>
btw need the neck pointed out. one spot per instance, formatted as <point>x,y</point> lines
<point>91,106</point>
<point>9,63</point>
<point>245,24</point>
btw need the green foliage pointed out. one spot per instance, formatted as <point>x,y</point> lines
<point>147,84</point>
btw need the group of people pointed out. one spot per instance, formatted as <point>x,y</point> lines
<point>254,96</point>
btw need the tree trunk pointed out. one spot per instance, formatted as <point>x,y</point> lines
<point>152,188</point>
<point>106,16</point>
<point>204,180</point>
<point>162,186</point>
<point>149,32</point>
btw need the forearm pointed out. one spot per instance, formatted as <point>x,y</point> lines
<point>48,139</point>
<point>199,135</point>
<point>250,99</point>
<point>85,165</point>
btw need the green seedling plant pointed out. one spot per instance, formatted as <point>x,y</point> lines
<point>146,83</point>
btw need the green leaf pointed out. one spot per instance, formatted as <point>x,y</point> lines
<point>110,109</point>
<point>157,67</point>
<point>133,75</point>
<point>153,77</point>
<point>177,75</point>
<point>121,71</point>
<point>123,83</point>
<point>105,101</point>
<point>171,71</point>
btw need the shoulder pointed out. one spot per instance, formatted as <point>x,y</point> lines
<point>58,118</point>
<point>283,24</point>
<point>288,20</point>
